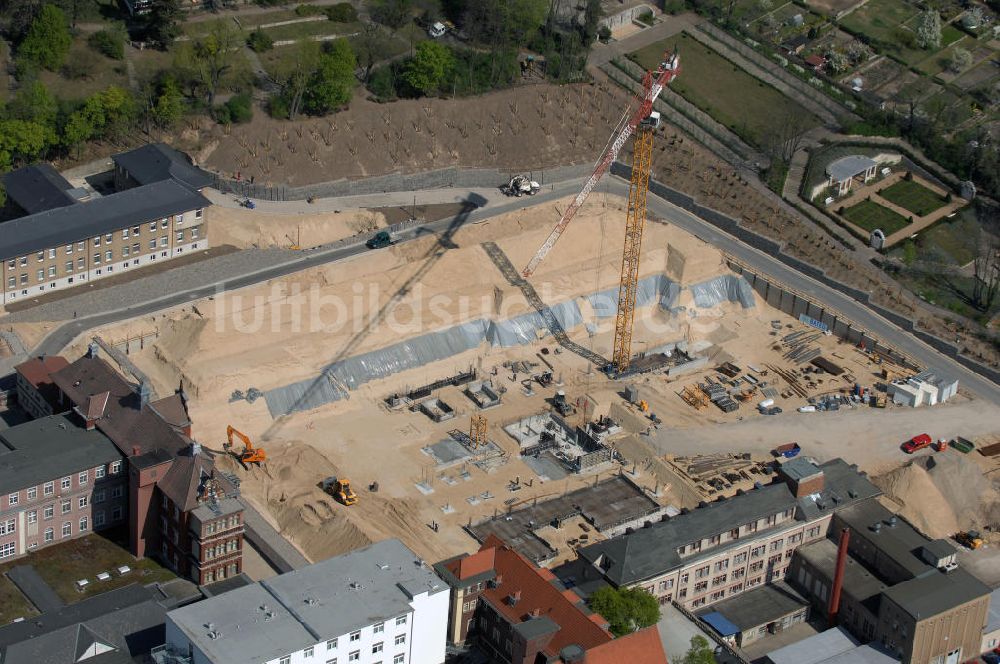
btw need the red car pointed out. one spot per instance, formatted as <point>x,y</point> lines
<point>917,443</point>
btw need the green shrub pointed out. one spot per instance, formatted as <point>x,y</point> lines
<point>382,83</point>
<point>342,12</point>
<point>110,43</point>
<point>308,10</point>
<point>646,17</point>
<point>237,110</point>
<point>259,41</point>
<point>277,107</point>
<point>604,33</point>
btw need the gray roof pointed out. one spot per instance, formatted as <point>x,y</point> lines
<point>859,583</point>
<point>649,552</point>
<point>59,226</point>
<point>815,649</point>
<point>311,604</point>
<point>759,606</point>
<point>535,627</point>
<point>847,167</point>
<point>800,468</point>
<point>37,188</point>
<point>935,378</point>
<point>993,619</point>
<point>895,538</point>
<point>156,162</point>
<point>50,448</point>
<point>129,619</point>
<point>936,592</point>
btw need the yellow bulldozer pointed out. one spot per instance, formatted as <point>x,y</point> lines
<point>340,489</point>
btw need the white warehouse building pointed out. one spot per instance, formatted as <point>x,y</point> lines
<point>380,604</point>
<point>927,387</point>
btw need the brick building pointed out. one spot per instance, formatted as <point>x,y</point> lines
<point>36,393</point>
<point>65,236</point>
<point>58,480</point>
<point>519,613</point>
<point>179,508</point>
<point>704,555</point>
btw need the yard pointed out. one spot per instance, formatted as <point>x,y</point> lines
<point>84,558</point>
<point>869,216</point>
<point>949,242</point>
<point>881,19</point>
<point>913,196</point>
<point>12,603</point>
<point>731,96</point>
<point>85,73</point>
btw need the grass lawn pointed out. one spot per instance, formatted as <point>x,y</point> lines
<point>869,216</point>
<point>101,72</point>
<point>913,196</point>
<point>12,603</point>
<point>727,93</point>
<point>950,241</point>
<point>951,291</point>
<point>311,29</point>
<point>63,564</point>
<point>880,19</point>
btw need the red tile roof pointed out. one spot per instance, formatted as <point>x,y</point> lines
<point>816,60</point>
<point>537,592</point>
<point>38,370</point>
<point>477,563</point>
<point>642,647</point>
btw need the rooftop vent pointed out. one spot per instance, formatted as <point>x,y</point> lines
<point>877,527</point>
<point>383,566</point>
<point>214,635</point>
<point>514,598</point>
<point>355,585</point>
<point>312,601</point>
<point>891,521</point>
<point>852,493</point>
<point>209,626</point>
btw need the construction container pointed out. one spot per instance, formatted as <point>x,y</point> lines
<point>765,404</point>
<point>962,445</point>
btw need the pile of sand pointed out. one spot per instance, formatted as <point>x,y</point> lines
<point>942,494</point>
<point>287,489</point>
<point>245,228</point>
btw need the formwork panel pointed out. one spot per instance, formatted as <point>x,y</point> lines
<point>801,306</point>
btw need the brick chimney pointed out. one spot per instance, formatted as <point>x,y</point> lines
<point>802,477</point>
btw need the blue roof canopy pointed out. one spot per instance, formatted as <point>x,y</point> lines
<point>720,624</point>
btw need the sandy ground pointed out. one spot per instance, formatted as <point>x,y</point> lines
<point>269,335</point>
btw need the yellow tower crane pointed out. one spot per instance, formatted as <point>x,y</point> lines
<point>477,431</point>
<point>635,221</point>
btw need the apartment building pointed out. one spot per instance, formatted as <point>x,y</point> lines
<point>725,548</point>
<point>58,480</point>
<point>178,507</point>
<point>380,604</point>
<point>72,236</point>
<point>899,588</point>
<point>519,613</point>
<point>36,393</point>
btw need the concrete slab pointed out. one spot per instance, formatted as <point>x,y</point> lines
<point>546,467</point>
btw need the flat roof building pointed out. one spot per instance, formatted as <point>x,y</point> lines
<point>377,604</point>
<point>769,609</point>
<point>834,646</point>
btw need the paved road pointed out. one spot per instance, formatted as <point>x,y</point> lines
<point>64,335</point>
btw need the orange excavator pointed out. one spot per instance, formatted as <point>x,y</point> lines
<point>250,454</point>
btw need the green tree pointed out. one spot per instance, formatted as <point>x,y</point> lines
<point>929,29</point>
<point>22,141</point>
<point>392,13</point>
<point>960,60</point>
<point>259,41</point>
<point>625,609</point>
<point>47,41</point>
<point>109,42</point>
<point>332,84</point>
<point>161,22</point>
<point>168,107</point>
<point>372,42</point>
<point>79,129</point>
<point>700,652</point>
<point>3,195</point>
<point>216,53</point>
<point>294,75</point>
<point>34,102</point>
<point>429,67</point>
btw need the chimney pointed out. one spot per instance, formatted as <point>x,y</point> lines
<point>195,449</point>
<point>144,393</point>
<point>135,450</point>
<point>838,577</point>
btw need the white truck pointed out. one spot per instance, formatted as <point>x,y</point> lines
<point>437,29</point>
<point>521,185</point>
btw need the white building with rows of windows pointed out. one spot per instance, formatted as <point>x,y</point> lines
<point>377,605</point>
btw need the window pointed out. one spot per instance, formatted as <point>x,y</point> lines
<point>739,573</point>
<point>198,213</point>
<point>81,263</point>
<point>11,264</point>
<point>378,628</point>
<point>180,236</point>
<point>740,558</point>
<point>398,659</point>
<point>331,644</point>
<point>377,648</point>
<point>24,279</point>
<point>108,238</point>
<point>116,492</point>
<point>701,586</point>
<point>11,282</point>
<point>98,518</point>
<point>401,620</point>
<point>67,529</point>
<point>355,636</point>
<point>164,241</point>
<point>97,259</point>
<point>194,233</point>
<point>757,566</point>
<point>813,532</point>
<point>308,652</point>
<point>41,275</point>
<point>69,266</point>
<point>332,660</point>
<point>99,496</point>
<point>66,507</point>
<point>52,270</point>
<point>400,639</point>
<point>721,565</point>
<point>116,467</point>
<point>124,233</point>
<point>719,580</point>
<point>41,256</point>
<point>135,248</point>
<point>135,230</point>
<point>12,499</point>
<point>47,512</point>
<point>758,551</point>
<point>354,656</point>
<point>66,482</point>
<point>777,544</point>
<point>100,471</point>
<point>97,241</point>
<point>701,572</point>
<point>82,500</point>
<point>109,255</point>
<point>152,226</point>
<point>793,539</point>
<point>718,595</point>
<point>82,477</point>
<point>83,523</point>
<point>285,659</point>
<point>152,243</point>
<point>125,252</point>
<point>49,535</point>
<point>7,550</point>
<point>33,516</point>
<point>8,526</point>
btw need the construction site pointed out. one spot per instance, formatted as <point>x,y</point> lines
<point>433,390</point>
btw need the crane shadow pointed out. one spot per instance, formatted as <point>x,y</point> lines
<point>444,243</point>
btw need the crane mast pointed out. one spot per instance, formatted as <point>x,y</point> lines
<point>642,161</point>
<point>653,84</point>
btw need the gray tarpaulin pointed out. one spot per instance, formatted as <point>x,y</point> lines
<point>527,328</point>
<point>724,288</point>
